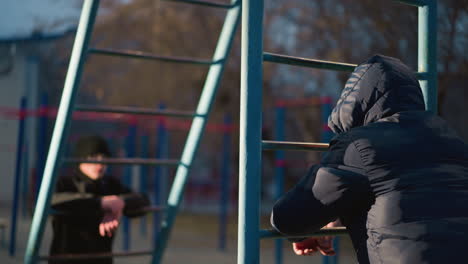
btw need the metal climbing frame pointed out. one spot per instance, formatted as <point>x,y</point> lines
<point>250,149</point>
<point>67,105</point>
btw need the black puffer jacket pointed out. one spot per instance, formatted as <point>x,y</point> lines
<point>395,175</point>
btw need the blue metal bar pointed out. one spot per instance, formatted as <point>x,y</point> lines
<point>331,231</point>
<point>336,246</point>
<point>198,125</point>
<point>143,210</point>
<point>421,75</point>
<point>149,56</point>
<point>327,134</point>
<point>30,92</point>
<point>318,64</point>
<point>126,161</point>
<point>83,36</point>
<point>413,2</point>
<point>144,174</point>
<point>427,53</point>
<point>130,152</point>
<point>41,143</point>
<point>250,149</point>
<point>205,3</point>
<point>289,145</point>
<point>16,190</point>
<point>134,110</point>
<point>153,209</point>
<point>279,172</point>
<point>25,176</point>
<point>161,142</point>
<point>311,63</point>
<point>225,183</point>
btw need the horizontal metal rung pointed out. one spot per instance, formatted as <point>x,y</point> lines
<point>153,209</point>
<point>149,56</point>
<point>288,145</point>
<point>148,209</point>
<point>205,3</point>
<point>413,2</point>
<point>125,161</point>
<point>65,257</point>
<point>134,110</point>
<point>331,231</point>
<point>421,75</point>
<point>319,64</point>
<point>297,61</point>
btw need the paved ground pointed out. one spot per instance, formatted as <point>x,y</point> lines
<point>194,240</point>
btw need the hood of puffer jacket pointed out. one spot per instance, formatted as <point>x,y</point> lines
<point>378,88</point>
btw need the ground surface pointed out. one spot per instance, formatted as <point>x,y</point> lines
<point>194,240</point>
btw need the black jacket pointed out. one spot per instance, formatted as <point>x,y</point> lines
<point>77,202</point>
<point>395,175</point>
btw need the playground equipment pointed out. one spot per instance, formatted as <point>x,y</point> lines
<point>80,50</point>
<point>251,145</point>
<point>119,139</point>
<point>225,183</point>
<point>324,103</point>
<point>14,208</point>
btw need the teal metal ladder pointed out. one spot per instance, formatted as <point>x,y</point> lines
<point>251,145</point>
<point>67,106</point>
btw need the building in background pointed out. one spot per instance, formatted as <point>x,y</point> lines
<point>27,31</point>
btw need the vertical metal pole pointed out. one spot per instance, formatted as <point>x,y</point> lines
<point>164,177</point>
<point>41,143</point>
<point>161,142</point>
<point>25,176</point>
<point>25,195</point>
<point>336,246</point>
<point>427,53</point>
<point>198,125</point>
<point>225,182</point>
<point>16,191</point>
<point>279,172</point>
<point>144,181</point>
<point>130,152</point>
<point>83,36</point>
<point>250,155</point>
<point>327,134</point>
<point>31,93</point>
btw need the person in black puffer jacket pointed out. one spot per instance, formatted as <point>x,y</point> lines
<point>89,205</point>
<point>395,175</point>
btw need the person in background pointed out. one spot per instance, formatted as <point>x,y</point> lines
<point>89,205</point>
<point>395,175</point>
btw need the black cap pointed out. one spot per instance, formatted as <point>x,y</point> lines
<point>91,145</point>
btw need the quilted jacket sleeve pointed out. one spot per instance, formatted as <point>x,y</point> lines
<point>322,196</point>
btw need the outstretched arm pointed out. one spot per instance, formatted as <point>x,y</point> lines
<point>322,196</point>
<point>134,203</point>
